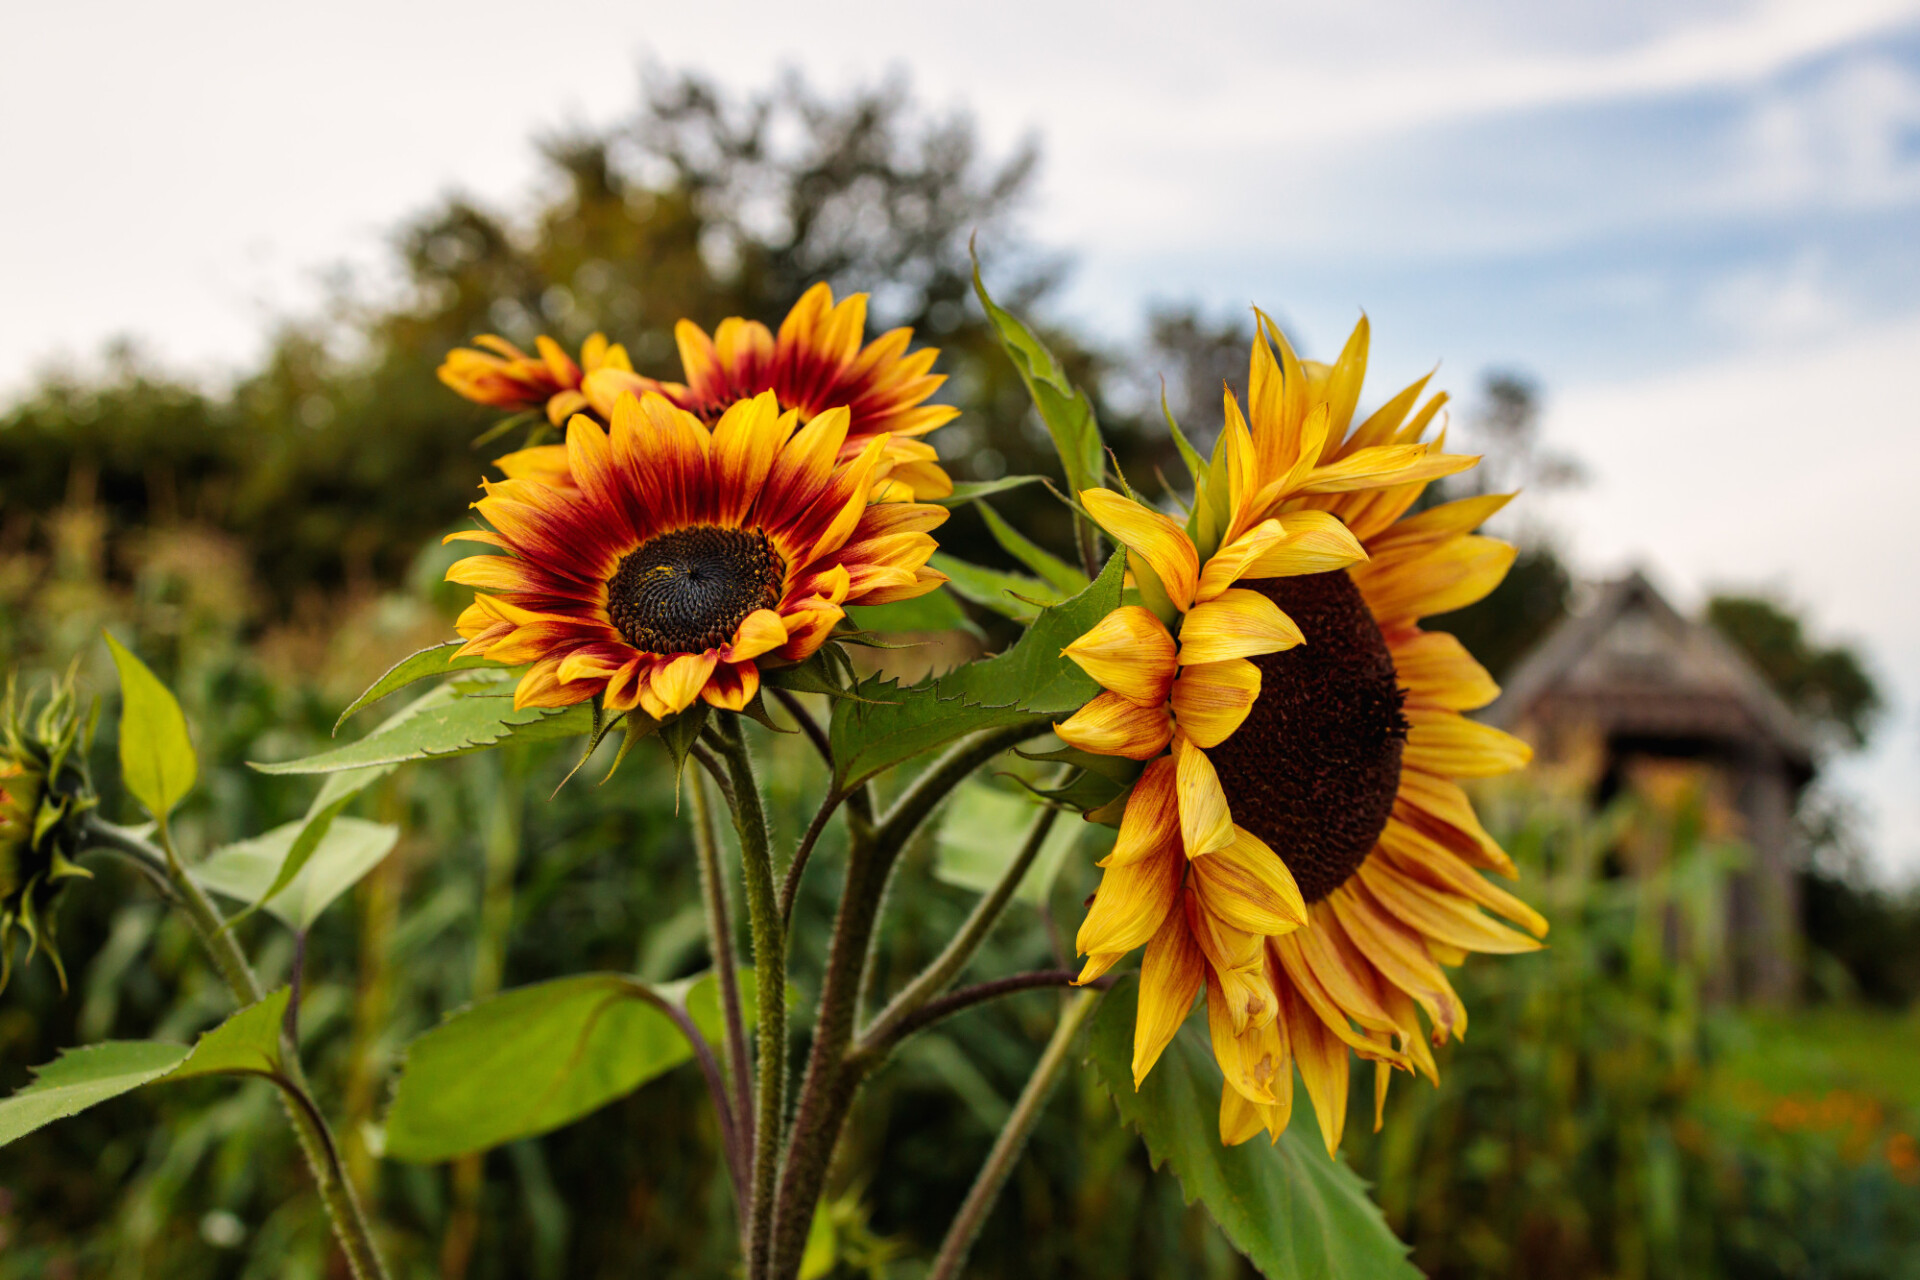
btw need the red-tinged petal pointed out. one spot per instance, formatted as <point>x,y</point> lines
<point>1131,653</point>
<point>1151,823</point>
<point>1155,538</point>
<point>732,686</point>
<point>1111,725</point>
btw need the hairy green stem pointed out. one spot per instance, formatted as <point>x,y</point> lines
<point>770,981</point>
<point>831,1081</point>
<point>1012,1140</point>
<point>713,890</point>
<point>296,1097</point>
<point>947,965</point>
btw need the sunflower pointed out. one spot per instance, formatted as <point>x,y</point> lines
<point>815,363</point>
<point>1299,724</point>
<point>506,377</point>
<point>681,557</point>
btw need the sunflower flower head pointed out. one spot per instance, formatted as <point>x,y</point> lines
<point>44,791</point>
<point>504,376</point>
<point>680,558</point>
<point>1298,846</point>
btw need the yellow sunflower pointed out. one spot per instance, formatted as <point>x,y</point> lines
<point>506,377</point>
<point>1312,737</point>
<point>680,557</point>
<point>815,363</point>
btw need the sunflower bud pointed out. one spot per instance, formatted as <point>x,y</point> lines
<point>44,794</point>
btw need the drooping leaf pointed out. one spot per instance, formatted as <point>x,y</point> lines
<point>1031,683</point>
<point>1011,595</point>
<point>984,829</point>
<point>935,611</point>
<point>248,1043</point>
<point>533,1059</point>
<point>1055,572</point>
<point>156,754</point>
<point>1064,408</point>
<point>434,660</point>
<point>249,869</point>
<point>971,490</point>
<point>81,1078</point>
<point>336,793</point>
<point>451,720</point>
<point>1294,1213</point>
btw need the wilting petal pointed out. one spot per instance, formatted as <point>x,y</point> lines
<point>1111,725</point>
<point>1155,538</point>
<point>1253,1058</point>
<point>1400,955</point>
<point>1440,915</point>
<point>1239,623</point>
<point>1238,962</point>
<point>1130,652</point>
<point>1323,1065</point>
<point>1248,886</point>
<point>1421,857</point>
<point>1206,823</point>
<point>1131,903</point>
<point>1170,977</point>
<point>1151,822</point>
<point>1211,700</point>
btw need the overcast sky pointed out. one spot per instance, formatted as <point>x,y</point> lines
<point>1695,222</point>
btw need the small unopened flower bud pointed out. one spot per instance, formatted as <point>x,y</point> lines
<point>44,793</point>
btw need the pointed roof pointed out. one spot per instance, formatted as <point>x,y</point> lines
<point>1633,654</point>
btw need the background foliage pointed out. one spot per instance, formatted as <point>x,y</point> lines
<point>270,546</point>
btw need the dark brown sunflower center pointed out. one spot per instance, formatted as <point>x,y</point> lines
<point>1314,767</point>
<point>686,591</point>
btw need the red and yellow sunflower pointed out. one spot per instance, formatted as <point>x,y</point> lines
<point>679,557</point>
<point>1302,727</point>
<point>816,362</point>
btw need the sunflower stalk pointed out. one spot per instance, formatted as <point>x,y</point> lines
<point>720,942</point>
<point>349,1221</point>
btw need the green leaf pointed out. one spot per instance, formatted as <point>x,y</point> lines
<point>449,721</point>
<point>1011,595</point>
<point>1030,683</point>
<point>533,1059</point>
<point>934,611</point>
<point>1196,466</point>
<point>247,1044</point>
<point>1058,574</point>
<point>972,490</point>
<point>434,660</point>
<point>982,832</point>
<point>250,870</point>
<point>81,1078</point>
<point>1293,1212</point>
<point>156,754</point>
<point>1064,408</point>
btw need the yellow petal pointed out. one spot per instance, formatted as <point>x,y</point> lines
<point>1315,542</point>
<point>1323,1066</point>
<point>1130,905</point>
<point>1206,823</point>
<point>1130,652</point>
<point>1170,976</point>
<point>1111,725</point>
<point>1437,671</point>
<point>1427,860</point>
<point>1232,562</point>
<point>1151,823</point>
<point>1453,746</point>
<point>1212,699</point>
<point>1400,955</point>
<point>1441,523</point>
<point>1437,914</point>
<point>759,632</point>
<point>1254,1060</point>
<point>1248,886</point>
<point>1450,576</point>
<point>678,682</point>
<point>1239,623</point>
<point>1237,961</point>
<point>1153,537</point>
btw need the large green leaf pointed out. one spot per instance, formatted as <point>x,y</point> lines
<point>81,1078</point>
<point>982,832</point>
<point>434,660</point>
<point>1294,1213</point>
<point>1011,595</point>
<point>459,717</point>
<point>1031,683</point>
<point>533,1059</point>
<point>156,754</point>
<point>249,869</point>
<point>248,1043</point>
<point>1055,572</point>
<point>1064,408</point>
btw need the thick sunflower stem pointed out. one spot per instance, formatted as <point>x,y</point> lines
<point>1011,1142</point>
<point>832,1077</point>
<point>720,942</point>
<point>349,1220</point>
<point>770,981</point>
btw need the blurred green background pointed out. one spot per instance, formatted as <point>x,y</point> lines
<point>271,545</point>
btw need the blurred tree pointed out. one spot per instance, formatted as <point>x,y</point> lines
<point>1828,685</point>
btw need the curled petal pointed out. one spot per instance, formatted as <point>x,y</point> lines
<point>678,681</point>
<point>1111,725</point>
<point>732,685</point>
<point>1170,977</point>
<point>1155,538</point>
<point>1254,1058</point>
<point>1248,886</point>
<point>1316,542</point>
<point>759,632</point>
<point>1130,652</point>
<point>1211,700</point>
<point>1206,823</point>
